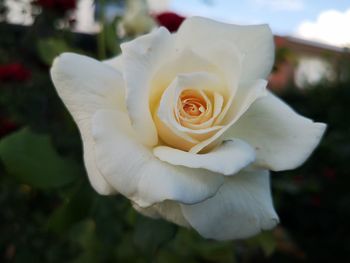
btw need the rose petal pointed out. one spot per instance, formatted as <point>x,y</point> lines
<point>241,102</point>
<point>214,110</point>
<point>241,208</point>
<point>142,57</point>
<point>228,158</point>
<point>169,129</point>
<point>227,61</point>
<point>196,81</point>
<point>168,210</point>
<point>174,137</point>
<point>282,138</point>
<point>86,85</point>
<point>136,173</point>
<point>182,61</point>
<point>115,62</point>
<point>255,42</point>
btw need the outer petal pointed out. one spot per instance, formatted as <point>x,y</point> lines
<point>115,62</point>
<point>136,173</point>
<point>241,208</point>
<point>142,57</point>
<point>282,138</point>
<point>85,86</point>
<point>168,210</point>
<point>255,42</point>
<point>228,158</point>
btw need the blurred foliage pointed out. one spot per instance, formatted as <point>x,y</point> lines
<point>50,213</point>
<point>23,153</point>
<point>282,55</point>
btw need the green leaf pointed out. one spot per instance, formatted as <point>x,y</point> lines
<point>166,256</point>
<point>32,159</point>
<point>126,252</point>
<point>85,236</point>
<point>75,208</point>
<point>150,234</point>
<point>192,244</point>
<point>112,41</point>
<point>49,48</point>
<point>265,240</point>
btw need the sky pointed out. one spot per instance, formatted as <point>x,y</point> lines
<point>326,21</point>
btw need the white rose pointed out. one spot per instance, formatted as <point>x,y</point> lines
<point>183,126</point>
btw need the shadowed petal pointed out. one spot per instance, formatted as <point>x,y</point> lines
<point>241,208</point>
<point>282,138</point>
<point>136,173</point>
<point>142,57</point>
<point>168,210</point>
<point>85,86</point>
<point>228,158</point>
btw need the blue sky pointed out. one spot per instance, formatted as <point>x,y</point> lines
<point>325,21</point>
<point>284,16</point>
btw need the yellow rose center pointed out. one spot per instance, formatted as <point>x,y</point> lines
<point>191,104</point>
<point>191,119</point>
<point>193,107</point>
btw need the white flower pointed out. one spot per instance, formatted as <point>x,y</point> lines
<point>183,126</point>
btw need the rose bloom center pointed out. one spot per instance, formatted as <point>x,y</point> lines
<point>193,106</point>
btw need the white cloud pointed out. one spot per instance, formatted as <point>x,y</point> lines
<point>279,5</point>
<point>331,27</point>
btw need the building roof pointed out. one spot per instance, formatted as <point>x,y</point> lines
<point>309,47</point>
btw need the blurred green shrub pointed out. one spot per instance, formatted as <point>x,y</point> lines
<point>49,212</point>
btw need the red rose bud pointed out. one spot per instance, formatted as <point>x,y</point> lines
<point>169,20</point>
<point>14,71</point>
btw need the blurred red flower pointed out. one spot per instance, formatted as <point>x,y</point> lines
<point>14,71</point>
<point>57,5</point>
<point>169,20</point>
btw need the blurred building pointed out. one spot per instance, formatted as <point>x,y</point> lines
<point>301,63</point>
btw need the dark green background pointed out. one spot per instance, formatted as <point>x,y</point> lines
<point>50,213</point>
